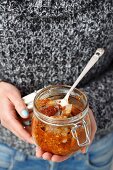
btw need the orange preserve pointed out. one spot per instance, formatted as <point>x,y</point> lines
<point>60,130</point>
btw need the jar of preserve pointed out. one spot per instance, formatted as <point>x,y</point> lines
<point>60,130</point>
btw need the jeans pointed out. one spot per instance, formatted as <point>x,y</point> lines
<point>98,157</point>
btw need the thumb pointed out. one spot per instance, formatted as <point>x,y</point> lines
<point>19,105</point>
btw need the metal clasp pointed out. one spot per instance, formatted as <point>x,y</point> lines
<point>78,125</point>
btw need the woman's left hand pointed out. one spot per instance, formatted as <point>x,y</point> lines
<point>57,158</point>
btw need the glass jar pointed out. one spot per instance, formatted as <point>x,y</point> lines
<point>61,136</point>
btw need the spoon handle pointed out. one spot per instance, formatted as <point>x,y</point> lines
<point>99,52</point>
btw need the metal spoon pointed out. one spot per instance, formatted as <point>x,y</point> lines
<point>99,52</point>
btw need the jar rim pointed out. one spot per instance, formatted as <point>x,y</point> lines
<point>56,121</point>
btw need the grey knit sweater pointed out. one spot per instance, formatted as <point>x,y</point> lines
<point>45,42</point>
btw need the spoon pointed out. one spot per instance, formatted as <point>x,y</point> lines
<point>99,52</point>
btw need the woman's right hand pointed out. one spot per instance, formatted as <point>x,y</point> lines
<point>12,106</point>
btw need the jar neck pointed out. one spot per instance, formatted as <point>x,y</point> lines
<point>60,122</point>
<point>58,90</point>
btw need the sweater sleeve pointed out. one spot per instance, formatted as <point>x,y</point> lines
<point>100,95</point>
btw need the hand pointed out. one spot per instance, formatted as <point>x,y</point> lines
<point>12,106</point>
<point>57,158</point>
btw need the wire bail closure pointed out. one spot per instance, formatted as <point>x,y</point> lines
<point>84,124</point>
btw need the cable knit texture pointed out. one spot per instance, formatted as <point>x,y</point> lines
<point>45,42</point>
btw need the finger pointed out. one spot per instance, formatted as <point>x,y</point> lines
<point>56,158</point>
<point>19,104</point>
<point>19,130</point>
<point>85,149</point>
<point>47,156</point>
<point>93,126</point>
<point>39,152</point>
<point>93,131</point>
<point>10,121</point>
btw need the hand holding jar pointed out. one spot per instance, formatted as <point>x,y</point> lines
<point>58,131</point>
<point>12,109</point>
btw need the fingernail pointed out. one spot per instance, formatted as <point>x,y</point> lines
<point>25,113</point>
<point>44,158</point>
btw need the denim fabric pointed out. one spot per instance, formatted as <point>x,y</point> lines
<point>98,157</point>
